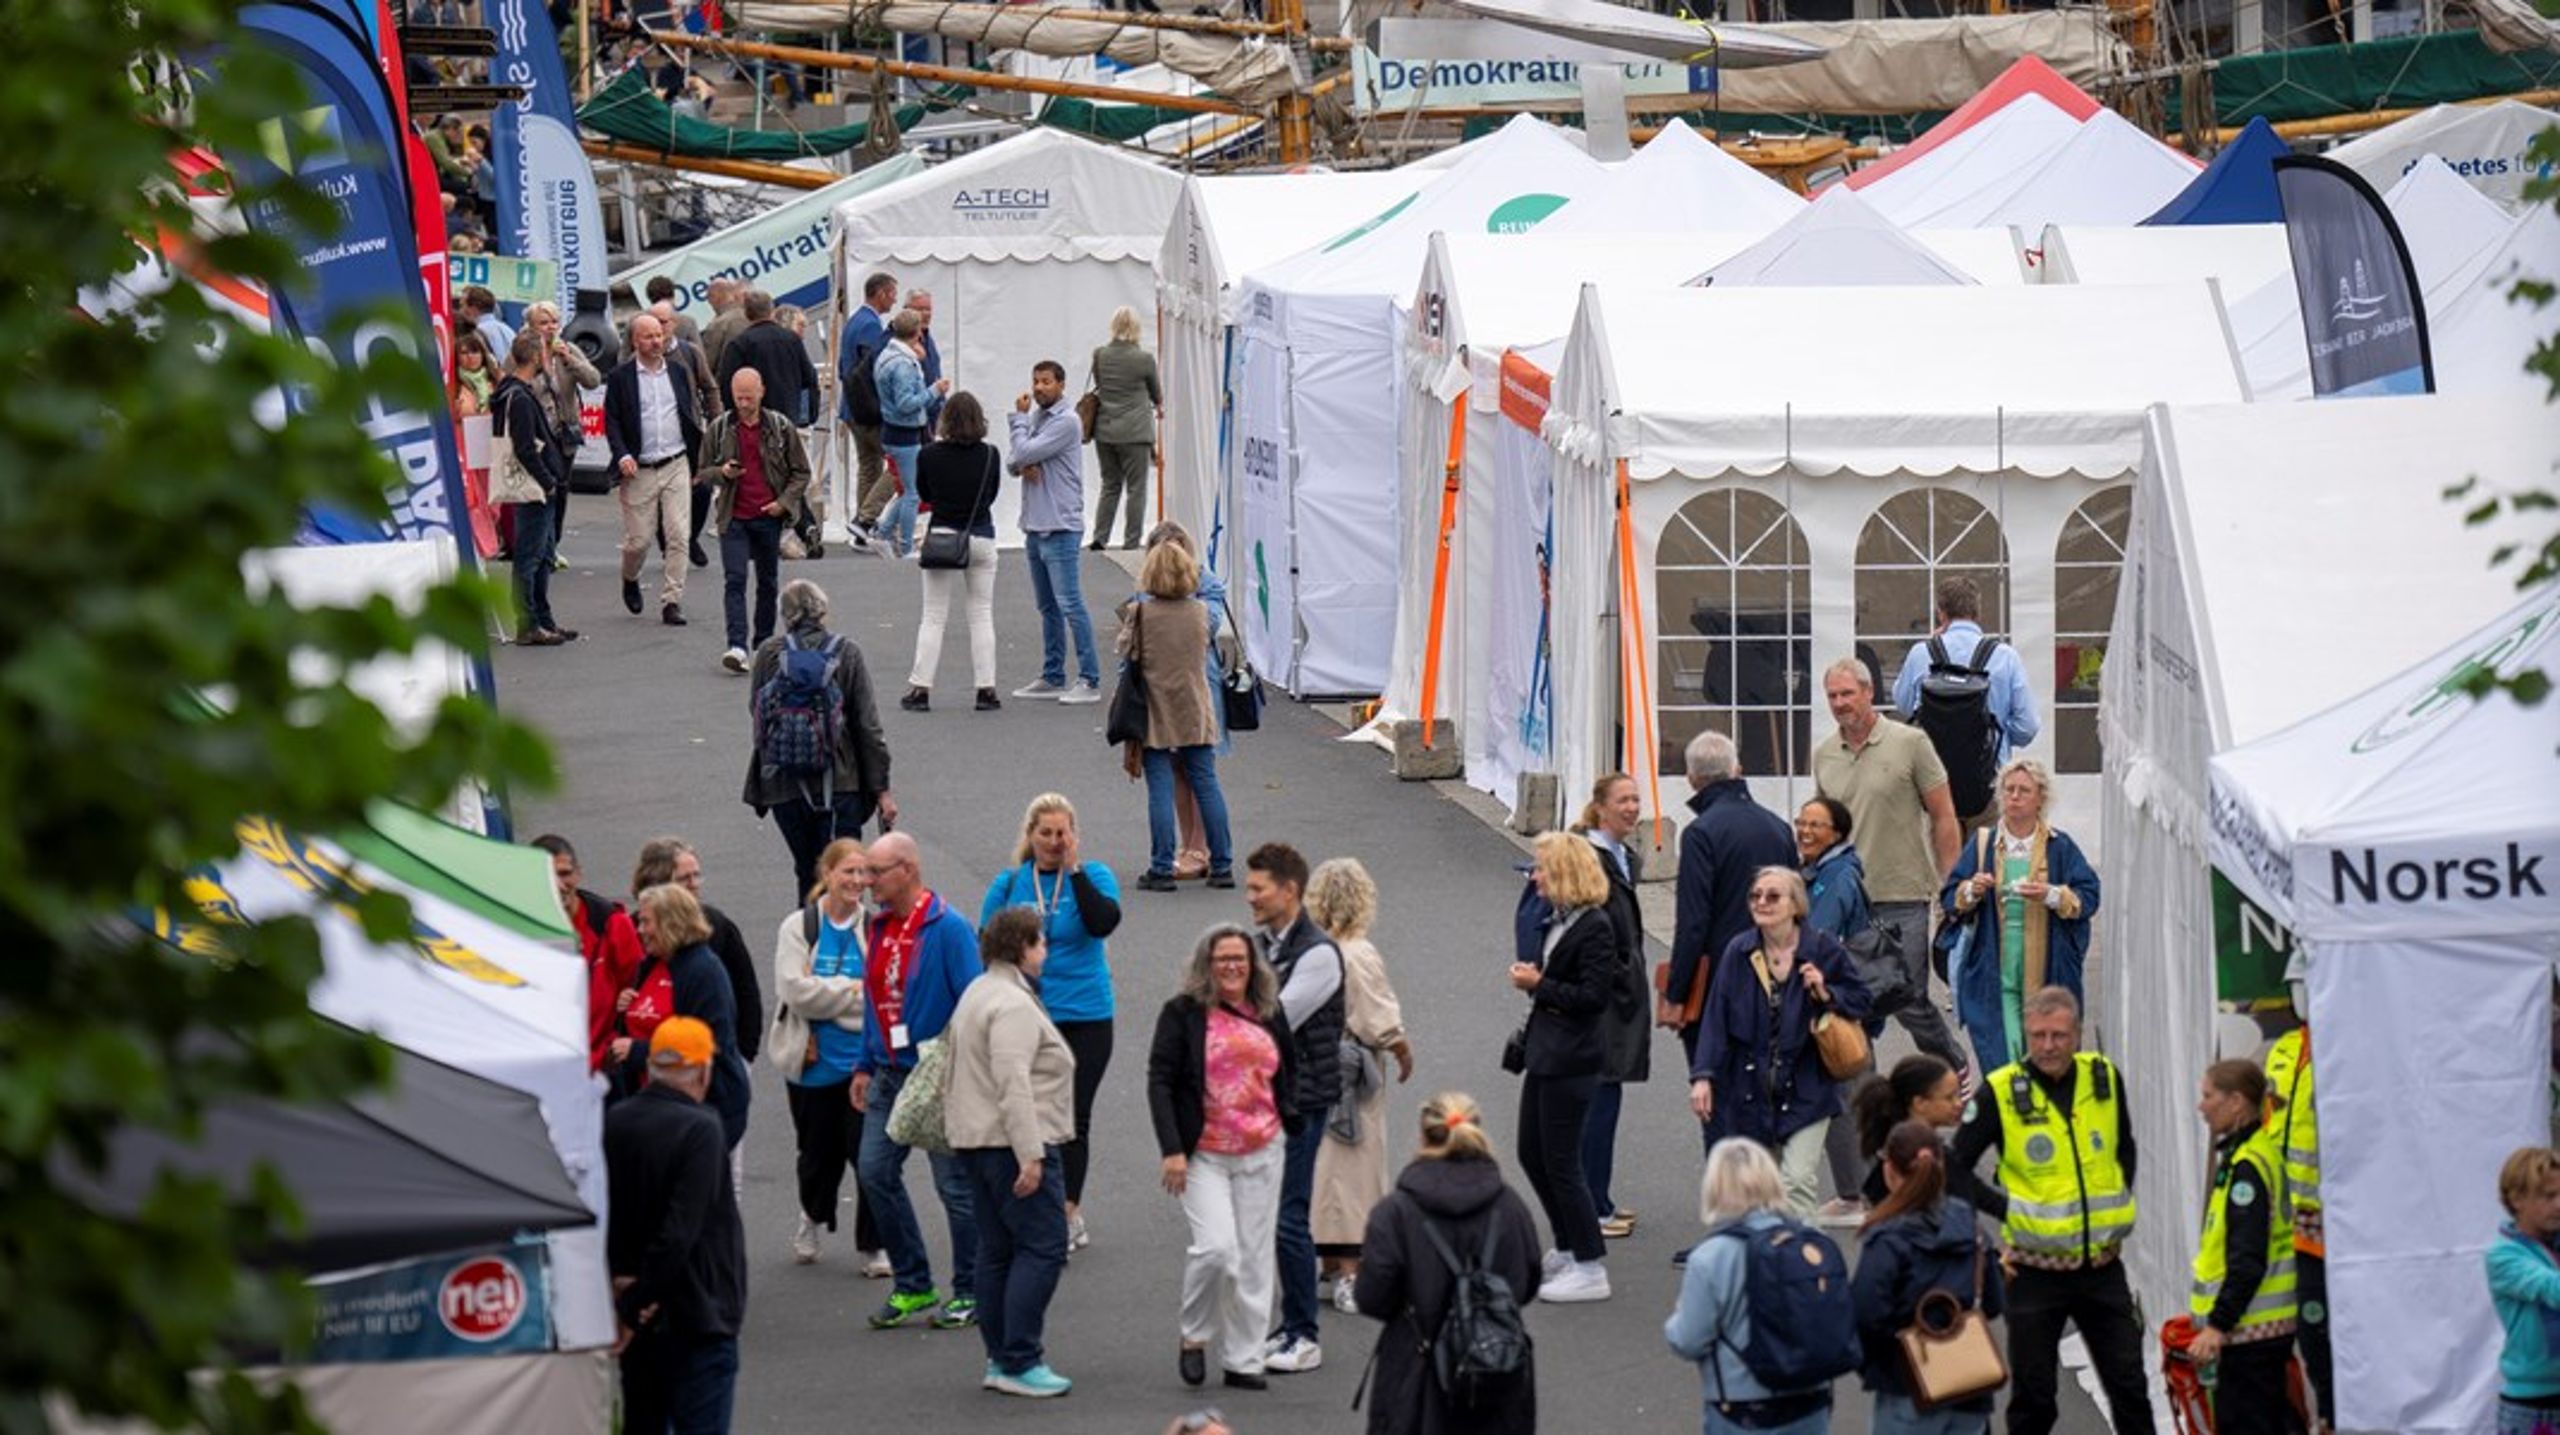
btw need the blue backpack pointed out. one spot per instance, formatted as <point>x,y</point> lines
<point>1804,1328</point>
<point>799,713</point>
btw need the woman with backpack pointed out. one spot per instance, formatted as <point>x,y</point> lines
<point>817,1033</point>
<point>1571,981</point>
<point>2020,902</point>
<point>818,762</point>
<point>1757,1070</point>
<point>1450,1220</point>
<point>1919,1242</point>
<point>1742,1202</point>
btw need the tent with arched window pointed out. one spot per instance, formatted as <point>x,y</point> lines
<point>1753,482</point>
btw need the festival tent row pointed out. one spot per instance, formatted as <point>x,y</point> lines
<point>2281,557</point>
<point>1728,517</point>
<point>1680,182</point>
<point>2031,164</point>
<point>2485,144</point>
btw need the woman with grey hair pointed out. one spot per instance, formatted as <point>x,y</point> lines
<point>1219,1082</point>
<point>565,371</point>
<point>1128,402</point>
<point>814,804</point>
<point>1711,1324</point>
<point>2020,899</point>
<point>1351,1162</point>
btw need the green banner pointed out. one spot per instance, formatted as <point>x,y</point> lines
<point>514,281</point>
<point>2250,949</point>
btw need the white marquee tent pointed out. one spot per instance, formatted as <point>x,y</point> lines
<point>1312,453</point>
<point>2226,636</point>
<point>1028,246</point>
<point>1838,240</point>
<point>2485,145</point>
<point>1801,491</point>
<point>2431,999</point>
<point>1223,227</point>
<point>2030,164</point>
<point>1680,182</point>
<point>2241,258</point>
<point>1975,166</point>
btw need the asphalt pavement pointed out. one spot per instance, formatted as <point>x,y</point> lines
<point>652,737</point>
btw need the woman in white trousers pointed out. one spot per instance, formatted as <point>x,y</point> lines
<point>957,477</point>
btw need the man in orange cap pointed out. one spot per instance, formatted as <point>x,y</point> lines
<point>675,1245</point>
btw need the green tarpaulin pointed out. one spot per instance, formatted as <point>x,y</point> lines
<point>1110,123</point>
<point>630,111</point>
<point>508,884</point>
<point>2407,73</point>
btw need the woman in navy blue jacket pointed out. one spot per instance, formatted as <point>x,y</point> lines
<point>1919,1240</point>
<point>1756,1072</point>
<point>2027,895</point>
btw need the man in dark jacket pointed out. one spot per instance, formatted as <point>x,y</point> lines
<point>1309,967</point>
<point>653,425</point>
<point>790,380</point>
<point>675,1246</point>
<point>1729,839</point>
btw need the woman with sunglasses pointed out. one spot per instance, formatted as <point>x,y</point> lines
<point>1757,1073</point>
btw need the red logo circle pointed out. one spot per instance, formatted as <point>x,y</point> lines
<point>481,1300</point>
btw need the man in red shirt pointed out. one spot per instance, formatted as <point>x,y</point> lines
<point>754,457</point>
<point>606,938</point>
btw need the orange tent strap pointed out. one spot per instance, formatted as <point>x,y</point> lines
<point>1449,481</point>
<point>1631,643</point>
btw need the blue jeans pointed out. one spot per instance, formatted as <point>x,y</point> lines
<point>1897,1415</point>
<point>882,1168</point>
<point>1200,766</point>
<point>745,541</point>
<point>1295,1240</point>
<point>535,541</point>
<point>1816,1423</point>
<point>1600,1144</point>
<point>678,1384</point>
<point>1057,587</point>
<point>900,519</point>
<point>1022,1249</point>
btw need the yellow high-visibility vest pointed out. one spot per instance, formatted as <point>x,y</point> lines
<point>2068,1196</point>
<point>2297,1125</point>
<point>2276,1300</point>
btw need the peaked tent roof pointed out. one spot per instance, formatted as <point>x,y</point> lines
<point>2029,76</point>
<point>2109,173</point>
<point>1519,290</point>
<point>2239,187</point>
<point>1972,170</point>
<point>2480,336</point>
<point>1837,240</point>
<point>2484,143</point>
<point>2439,209</point>
<point>1227,226</point>
<point>1680,181</point>
<point>1038,195</point>
<point>2241,257</point>
<point>502,881</point>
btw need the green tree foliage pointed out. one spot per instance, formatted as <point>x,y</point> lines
<point>132,479</point>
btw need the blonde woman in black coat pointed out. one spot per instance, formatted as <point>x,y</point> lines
<point>1454,1187</point>
<point>1570,986</point>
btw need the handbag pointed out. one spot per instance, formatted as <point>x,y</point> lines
<point>509,481</point>
<point>1129,701</point>
<point>948,548</point>
<point>1089,412</point>
<point>1948,1353</point>
<point>1842,1045</point>
<point>915,1120</point>
<point>1239,687</point>
<point>1515,1050</point>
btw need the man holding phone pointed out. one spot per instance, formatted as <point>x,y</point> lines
<point>753,456</point>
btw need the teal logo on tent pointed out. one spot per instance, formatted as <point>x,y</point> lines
<point>1521,213</point>
<point>2501,657</point>
<point>1261,586</point>
<point>1390,212</point>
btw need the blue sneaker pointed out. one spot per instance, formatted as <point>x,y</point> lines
<point>1038,1383</point>
<point>988,1380</point>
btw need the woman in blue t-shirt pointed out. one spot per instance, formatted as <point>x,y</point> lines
<point>1079,905</point>
<point>817,1031</point>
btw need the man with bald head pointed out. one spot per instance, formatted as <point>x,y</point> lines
<point>759,474</point>
<point>923,955</point>
<point>652,425</point>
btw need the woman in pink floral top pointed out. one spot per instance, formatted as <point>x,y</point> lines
<point>1219,1077</point>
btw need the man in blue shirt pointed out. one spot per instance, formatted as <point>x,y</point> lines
<point>2013,702</point>
<point>865,330</point>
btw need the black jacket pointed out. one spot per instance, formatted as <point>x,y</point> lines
<point>674,1229</point>
<point>1573,996</point>
<point>1627,1027</point>
<point>1178,1075</point>
<point>1319,1037</point>
<point>1728,841</point>
<point>701,991</point>
<point>1405,1283</point>
<point>1904,1259</point>
<point>622,411</point>
<point>958,482</point>
<point>516,417</point>
<point>730,946</point>
<point>782,361</point>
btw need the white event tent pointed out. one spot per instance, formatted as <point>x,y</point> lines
<point>2484,144</point>
<point>2029,164</point>
<point>1028,246</point>
<point>1223,227</point>
<point>1312,456</point>
<point>2283,556</point>
<point>1974,166</point>
<point>1679,182</point>
<point>1838,240</point>
<point>1798,467</point>
<point>2241,258</point>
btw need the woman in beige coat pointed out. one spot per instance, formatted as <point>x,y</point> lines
<point>1007,1106</point>
<point>1165,630</point>
<point>1351,1164</point>
<point>817,1031</point>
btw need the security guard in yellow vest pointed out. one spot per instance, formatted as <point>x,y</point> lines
<point>2244,1301</point>
<point>2297,1128</point>
<point>2060,1122</point>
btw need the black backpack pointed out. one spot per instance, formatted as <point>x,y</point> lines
<point>1480,1354</point>
<point>1955,711</point>
<point>862,387</point>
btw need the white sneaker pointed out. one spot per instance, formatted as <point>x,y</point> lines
<point>1583,1281</point>
<point>1080,695</point>
<point>1554,1264</point>
<point>735,660</point>
<point>1294,1356</point>
<point>1040,688</point>
<point>1342,1296</point>
<point>1078,1237</point>
<point>875,1265</point>
<point>804,1243</point>
<point>1841,1211</point>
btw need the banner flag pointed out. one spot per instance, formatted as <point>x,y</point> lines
<point>2361,310</point>
<point>547,206</point>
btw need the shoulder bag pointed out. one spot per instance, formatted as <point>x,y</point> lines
<point>508,480</point>
<point>1239,687</point>
<point>1839,1042</point>
<point>948,548</point>
<point>1948,1353</point>
<point>1958,932</point>
<point>1129,701</point>
<point>916,1119</point>
<point>1089,407</point>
